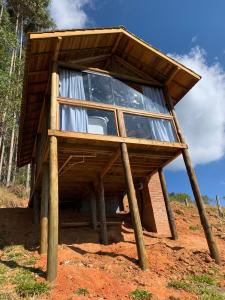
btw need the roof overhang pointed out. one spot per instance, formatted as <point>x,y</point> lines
<point>80,44</point>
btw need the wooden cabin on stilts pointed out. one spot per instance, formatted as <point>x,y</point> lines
<point>98,123</point>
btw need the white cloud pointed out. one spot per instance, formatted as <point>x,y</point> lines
<point>69,13</point>
<point>202,111</point>
<point>194,39</point>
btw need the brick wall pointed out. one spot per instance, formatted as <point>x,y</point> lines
<point>154,217</point>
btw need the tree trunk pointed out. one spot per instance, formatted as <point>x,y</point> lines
<point>1,13</point>
<point>28,179</point>
<point>9,171</point>
<point>2,158</point>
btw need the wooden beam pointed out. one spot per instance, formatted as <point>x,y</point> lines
<point>174,73</point>
<point>138,72</point>
<point>195,188</point>
<point>110,163</point>
<point>142,256</point>
<point>54,94</point>
<point>114,49</point>
<point>44,210</point>
<point>114,74</point>
<point>52,260</point>
<point>113,139</point>
<point>171,220</point>
<point>101,210</point>
<point>86,32</point>
<point>110,107</point>
<point>57,49</point>
<point>91,59</point>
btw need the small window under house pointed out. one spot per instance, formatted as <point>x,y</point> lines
<point>105,89</point>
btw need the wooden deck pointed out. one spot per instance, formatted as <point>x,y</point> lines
<point>82,157</point>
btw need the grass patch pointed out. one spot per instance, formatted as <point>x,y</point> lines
<point>30,261</point>
<point>6,296</point>
<point>140,295</point>
<point>82,292</point>
<point>180,285</point>
<point>203,278</point>
<point>203,285</point>
<point>26,284</point>
<point>194,227</point>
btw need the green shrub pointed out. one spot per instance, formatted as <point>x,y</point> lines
<point>180,285</point>
<point>82,292</point>
<point>194,227</point>
<point>140,295</point>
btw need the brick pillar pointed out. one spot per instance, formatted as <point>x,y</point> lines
<point>154,216</point>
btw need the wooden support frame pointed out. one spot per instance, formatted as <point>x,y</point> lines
<point>52,257</point>
<point>195,187</point>
<point>142,256</point>
<point>92,196</point>
<point>36,207</point>
<point>101,210</point>
<point>110,163</point>
<point>52,262</point>
<point>169,211</point>
<point>44,210</point>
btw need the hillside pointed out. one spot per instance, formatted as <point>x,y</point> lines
<point>178,269</point>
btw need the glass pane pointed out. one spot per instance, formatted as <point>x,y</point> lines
<point>126,95</point>
<point>100,88</point>
<point>89,120</point>
<point>149,128</point>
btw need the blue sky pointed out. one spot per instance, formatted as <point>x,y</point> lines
<point>175,27</point>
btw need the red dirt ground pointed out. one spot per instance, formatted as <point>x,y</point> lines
<point>111,272</point>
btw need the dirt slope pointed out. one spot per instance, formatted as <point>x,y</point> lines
<point>111,272</point>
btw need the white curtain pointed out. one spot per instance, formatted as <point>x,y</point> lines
<point>153,99</point>
<point>162,130</point>
<point>73,118</point>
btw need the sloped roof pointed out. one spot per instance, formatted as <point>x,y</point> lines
<point>83,43</point>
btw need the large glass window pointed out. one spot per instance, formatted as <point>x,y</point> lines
<point>149,128</point>
<point>87,120</point>
<point>109,90</point>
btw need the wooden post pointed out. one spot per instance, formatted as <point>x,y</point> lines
<point>44,210</point>
<point>36,209</point>
<point>171,220</point>
<point>93,209</point>
<point>52,259</point>
<point>220,211</point>
<point>53,211</point>
<point>101,209</point>
<point>142,256</point>
<point>186,202</point>
<point>195,188</point>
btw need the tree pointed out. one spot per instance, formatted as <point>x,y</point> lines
<point>179,197</point>
<point>17,17</point>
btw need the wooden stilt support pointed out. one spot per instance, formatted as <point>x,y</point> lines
<point>93,209</point>
<point>102,214</point>
<point>168,206</point>
<point>142,256</point>
<point>36,208</point>
<point>195,188</point>
<point>53,211</point>
<point>143,261</point>
<point>44,210</point>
